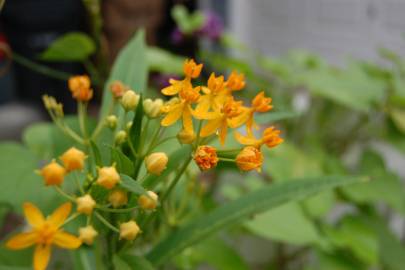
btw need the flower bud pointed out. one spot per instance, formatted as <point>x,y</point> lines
<point>73,159</point>
<point>206,157</point>
<point>85,204</point>
<point>186,136</point>
<point>118,198</point>
<point>129,230</point>
<point>130,100</point>
<point>118,89</point>
<point>120,137</point>
<point>148,202</point>
<point>191,69</point>
<point>111,121</point>
<point>80,88</point>
<point>156,163</point>
<point>108,177</point>
<point>53,173</point>
<point>87,234</point>
<point>152,108</point>
<point>250,158</point>
<point>129,125</point>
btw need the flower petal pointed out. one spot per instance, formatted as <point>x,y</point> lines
<point>42,255</point>
<point>173,115</point>
<point>59,215</point>
<point>33,215</point>
<point>170,90</point>
<point>66,240</point>
<point>246,140</point>
<point>223,131</point>
<point>211,127</point>
<point>22,240</point>
<point>187,119</point>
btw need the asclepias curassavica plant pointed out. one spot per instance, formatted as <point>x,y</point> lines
<point>122,187</point>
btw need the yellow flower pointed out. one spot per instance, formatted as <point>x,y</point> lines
<point>108,177</point>
<point>73,159</point>
<point>53,173</point>
<point>44,233</point>
<point>191,69</point>
<point>270,137</point>
<point>129,230</point>
<point>260,104</point>
<point>85,204</point>
<point>148,202</point>
<point>80,88</point>
<point>250,158</point>
<point>87,234</point>
<point>235,82</point>
<point>156,162</point>
<point>206,157</point>
<point>118,197</point>
<point>231,115</point>
<point>214,97</point>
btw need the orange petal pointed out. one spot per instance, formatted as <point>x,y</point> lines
<point>173,115</point>
<point>211,127</point>
<point>59,215</point>
<point>187,119</point>
<point>170,90</point>
<point>42,255</point>
<point>202,107</point>
<point>66,240</point>
<point>22,240</point>
<point>246,140</point>
<point>33,215</point>
<point>223,132</point>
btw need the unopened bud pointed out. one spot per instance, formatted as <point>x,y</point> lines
<point>111,121</point>
<point>53,173</point>
<point>149,201</point>
<point>156,163</point>
<point>118,198</point>
<point>186,136</point>
<point>152,108</point>
<point>118,89</point>
<point>85,204</point>
<point>73,159</point>
<point>87,234</point>
<point>129,230</point>
<point>120,137</point>
<point>130,100</point>
<point>108,177</point>
<point>129,125</point>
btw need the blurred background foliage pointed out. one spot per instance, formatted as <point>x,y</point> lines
<point>346,120</point>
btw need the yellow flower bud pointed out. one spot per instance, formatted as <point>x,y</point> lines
<point>87,234</point>
<point>186,136</point>
<point>120,137</point>
<point>250,158</point>
<point>108,177</point>
<point>130,100</point>
<point>156,162</point>
<point>148,202</point>
<point>85,204</point>
<point>73,159</point>
<point>129,230</point>
<point>53,173</point>
<point>111,121</point>
<point>152,108</point>
<point>118,198</point>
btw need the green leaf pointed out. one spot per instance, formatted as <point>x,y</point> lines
<point>136,128</point>
<point>179,155</point>
<point>132,185</point>
<point>398,117</point>
<point>280,224</point>
<point>163,61</point>
<point>96,153</point>
<point>187,23</point>
<point>271,117</point>
<point>130,67</point>
<point>131,262</point>
<point>235,211</point>
<point>74,46</point>
<point>124,164</point>
<point>37,138</point>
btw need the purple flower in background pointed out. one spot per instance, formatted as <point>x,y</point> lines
<point>162,80</point>
<point>213,26</point>
<point>176,36</point>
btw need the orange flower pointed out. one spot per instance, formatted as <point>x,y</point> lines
<point>53,173</point>
<point>191,69</point>
<point>118,89</point>
<point>214,95</point>
<point>80,88</point>
<point>231,115</point>
<point>206,157</point>
<point>250,158</point>
<point>270,137</point>
<point>44,234</point>
<point>235,81</point>
<point>261,104</point>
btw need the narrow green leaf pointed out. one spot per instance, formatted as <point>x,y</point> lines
<point>132,185</point>
<point>179,155</point>
<point>96,153</point>
<point>130,67</point>
<point>235,211</point>
<point>131,262</point>
<point>163,61</point>
<point>74,46</point>
<point>124,164</point>
<point>274,116</point>
<point>136,128</point>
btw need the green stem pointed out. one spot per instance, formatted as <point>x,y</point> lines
<point>82,108</point>
<point>64,194</point>
<point>101,122</point>
<point>176,179</point>
<point>71,218</point>
<point>41,68</point>
<point>227,159</point>
<point>125,210</point>
<point>106,223</point>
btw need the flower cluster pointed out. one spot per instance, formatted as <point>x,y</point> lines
<point>217,110</point>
